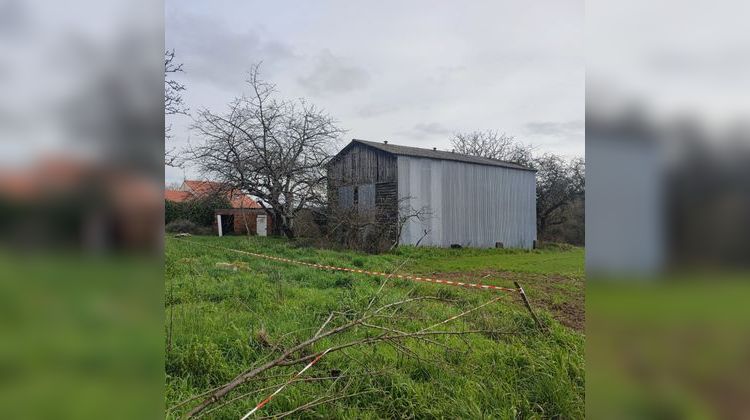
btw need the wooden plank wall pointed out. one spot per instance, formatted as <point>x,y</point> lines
<point>375,175</point>
<point>362,165</point>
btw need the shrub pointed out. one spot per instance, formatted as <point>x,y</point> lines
<point>204,230</point>
<point>182,226</point>
<point>172,211</point>
<point>199,211</point>
<point>554,246</point>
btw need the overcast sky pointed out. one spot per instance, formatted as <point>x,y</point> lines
<point>407,72</point>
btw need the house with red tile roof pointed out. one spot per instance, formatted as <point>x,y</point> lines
<point>191,189</point>
<point>245,215</point>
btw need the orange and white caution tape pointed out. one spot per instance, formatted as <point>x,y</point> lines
<point>270,397</point>
<point>368,272</point>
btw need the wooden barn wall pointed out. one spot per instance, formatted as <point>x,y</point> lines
<point>345,196</point>
<point>362,165</point>
<point>366,197</point>
<point>372,171</point>
<point>386,201</point>
<point>472,205</point>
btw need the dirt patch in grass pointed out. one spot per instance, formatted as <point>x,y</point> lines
<point>562,296</point>
<point>569,314</point>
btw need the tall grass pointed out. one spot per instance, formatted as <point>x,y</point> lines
<point>224,322</point>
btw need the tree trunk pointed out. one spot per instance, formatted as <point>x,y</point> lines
<point>286,226</point>
<point>542,226</point>
<point>276,228</point>
<point>288,232</point>
<point>280,225</point>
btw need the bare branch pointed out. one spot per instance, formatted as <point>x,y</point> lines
<point>173,101</point>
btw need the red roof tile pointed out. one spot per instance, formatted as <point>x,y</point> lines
<point>243,202</point>
<point>177,196</point>
<point>204,187</point>
<point>198,188</point>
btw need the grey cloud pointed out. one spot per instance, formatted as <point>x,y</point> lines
<point>212,52</point>
<point>555,129</point>
<point>332,75</point>
<point>447,74</point>
<point>14,20</point>
<point>429,90</point>
<point>423,131</point>
<point>376,109</point>
<point>388,79</point>
<point>432,128</point>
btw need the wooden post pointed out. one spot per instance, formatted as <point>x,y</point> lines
<point>218,223</point>
<point>528,305</point>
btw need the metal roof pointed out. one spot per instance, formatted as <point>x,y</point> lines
<point>437,154</point>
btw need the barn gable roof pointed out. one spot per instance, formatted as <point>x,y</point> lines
<point>435,154</point>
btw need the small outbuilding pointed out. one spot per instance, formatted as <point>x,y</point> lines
<point>471,201</point>
<point>241,221</point>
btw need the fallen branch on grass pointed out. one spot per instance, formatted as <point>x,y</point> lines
<point>318,401</point>
<point>288,357</point>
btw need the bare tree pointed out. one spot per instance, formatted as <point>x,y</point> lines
<point>173,102</point>
<point>271,148</point>
<point>559,184</point>
<point>493,145</point>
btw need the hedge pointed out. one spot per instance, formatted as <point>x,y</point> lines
<point>199,211</point>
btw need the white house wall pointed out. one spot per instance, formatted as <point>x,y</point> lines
<point>471,205</point>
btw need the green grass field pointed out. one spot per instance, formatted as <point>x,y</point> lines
<point>220,323</point>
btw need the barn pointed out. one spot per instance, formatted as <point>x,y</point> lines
<point>472,201</point>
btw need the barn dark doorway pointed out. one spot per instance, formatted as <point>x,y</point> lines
<point>227,224</point>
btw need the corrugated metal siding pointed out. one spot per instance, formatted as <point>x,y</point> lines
<point>471,205</point>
